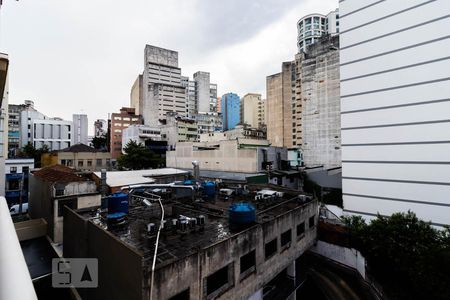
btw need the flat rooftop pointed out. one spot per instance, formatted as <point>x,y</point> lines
<point>175,244</point>
<point>124,178</point>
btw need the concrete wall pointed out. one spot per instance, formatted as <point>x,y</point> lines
<point>227,158</point>
<point>347,256</point>
<point>39,203</point>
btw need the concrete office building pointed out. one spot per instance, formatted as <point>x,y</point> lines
<point>280,104</point>
<point>136,95</point>
<point>395,92</point>
<point>100,128</point>
<point>213,97</point>
<point>120,121</point>
<point>163,89</point>
<point>178,129</point>
<point>252,110</point>
<point>321,113</point>
<point>191,100</point>
<point>231,110</point>
<point>202,91</point>
<point>80,129</point>
<point>311,27</point>
<point>208,122</point>
<point>219,104</point>
<point>239,132</point>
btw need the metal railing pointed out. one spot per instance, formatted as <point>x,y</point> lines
<point>15,279</point>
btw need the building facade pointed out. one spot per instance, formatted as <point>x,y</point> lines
<point>209,122</point>
<point>4,96</point>
<point>119,122</point>
<point>321,107</point>
<point>253,110</point>
<point>14,129</point>
<point>178,129</point>
<point>311,27</point>
<point>16,179</point>
<point>163,89</point>
<point>240,131</point>
<point>140,134</point>
<point>395,103</point>
<point>80,157</point>
<point>100,128</point>
<point>281,107</point>
<point>80,129</point>
<point>231,110</point>
<point>136,95</point>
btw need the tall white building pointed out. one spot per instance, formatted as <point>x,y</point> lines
<point>4,92</point>
<point>163,89</point>
<point>80,129</point>
<point>311,27</point>
<point>395,103</point>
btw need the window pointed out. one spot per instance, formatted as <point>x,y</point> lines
<point>108,162</point>
<point>311,221</point>
<point>98,162</point>
<point>301,229</point>
<point>270,248</point>
<point>248,262</point>
<point>69,163</point>
<point>219,281</point>
<point>25,170</point>
<point>89,163</point>
<point>80,163</point>
<point>286,238</point>
<point>63,162</point>
<point>13,170</point>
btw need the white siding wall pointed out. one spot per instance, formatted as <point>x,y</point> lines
<point>395,103</point>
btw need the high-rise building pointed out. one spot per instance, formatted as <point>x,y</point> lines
<point>136,95</point>
<point>253,110</point>
<point>219,104</point>
<point>395,102</point>
<point>80,129</point>
<point>163,89</point>
<point>100,128</point>
<point>213,97</point>
<point>120,121</point>
<point>320,122</point>
<point>230,110</point>
<point>280,106</point>
<point>311,27</point>
<point>202,91</point>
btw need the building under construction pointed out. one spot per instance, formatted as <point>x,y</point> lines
<point>204,241</point>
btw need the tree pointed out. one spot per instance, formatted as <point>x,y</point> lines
<point>99,142</point>
<point>409,257</point>
<point>29,151</point>
<point>137,156</point>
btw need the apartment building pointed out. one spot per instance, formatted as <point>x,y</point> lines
<point>231,110</point>
<point>80,129</point>
<point>119,122</point>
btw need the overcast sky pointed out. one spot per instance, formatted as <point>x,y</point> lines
<point>83,56</point>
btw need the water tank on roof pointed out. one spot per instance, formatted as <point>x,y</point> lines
<point>241,214</point>
<point>209,188</point>
<point>117,205</point>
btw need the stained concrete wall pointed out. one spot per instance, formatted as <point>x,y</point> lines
<point>320,89</point>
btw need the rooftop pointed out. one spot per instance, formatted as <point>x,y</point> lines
<point>59,173</point>
<point>124,178</point>
<point>79,148</point>
<point>175,244</point>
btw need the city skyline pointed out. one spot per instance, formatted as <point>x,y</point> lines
<point>238,59</point>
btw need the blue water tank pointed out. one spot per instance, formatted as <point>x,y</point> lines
<point>117,205</point>
<point>188,182</point>
<point>209,188</point>
<point>242,213</point>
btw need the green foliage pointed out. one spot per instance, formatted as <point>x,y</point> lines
<point>406,255</point>
<point>137,157</point>
<point>99,142</point>
<point>29,151</point>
